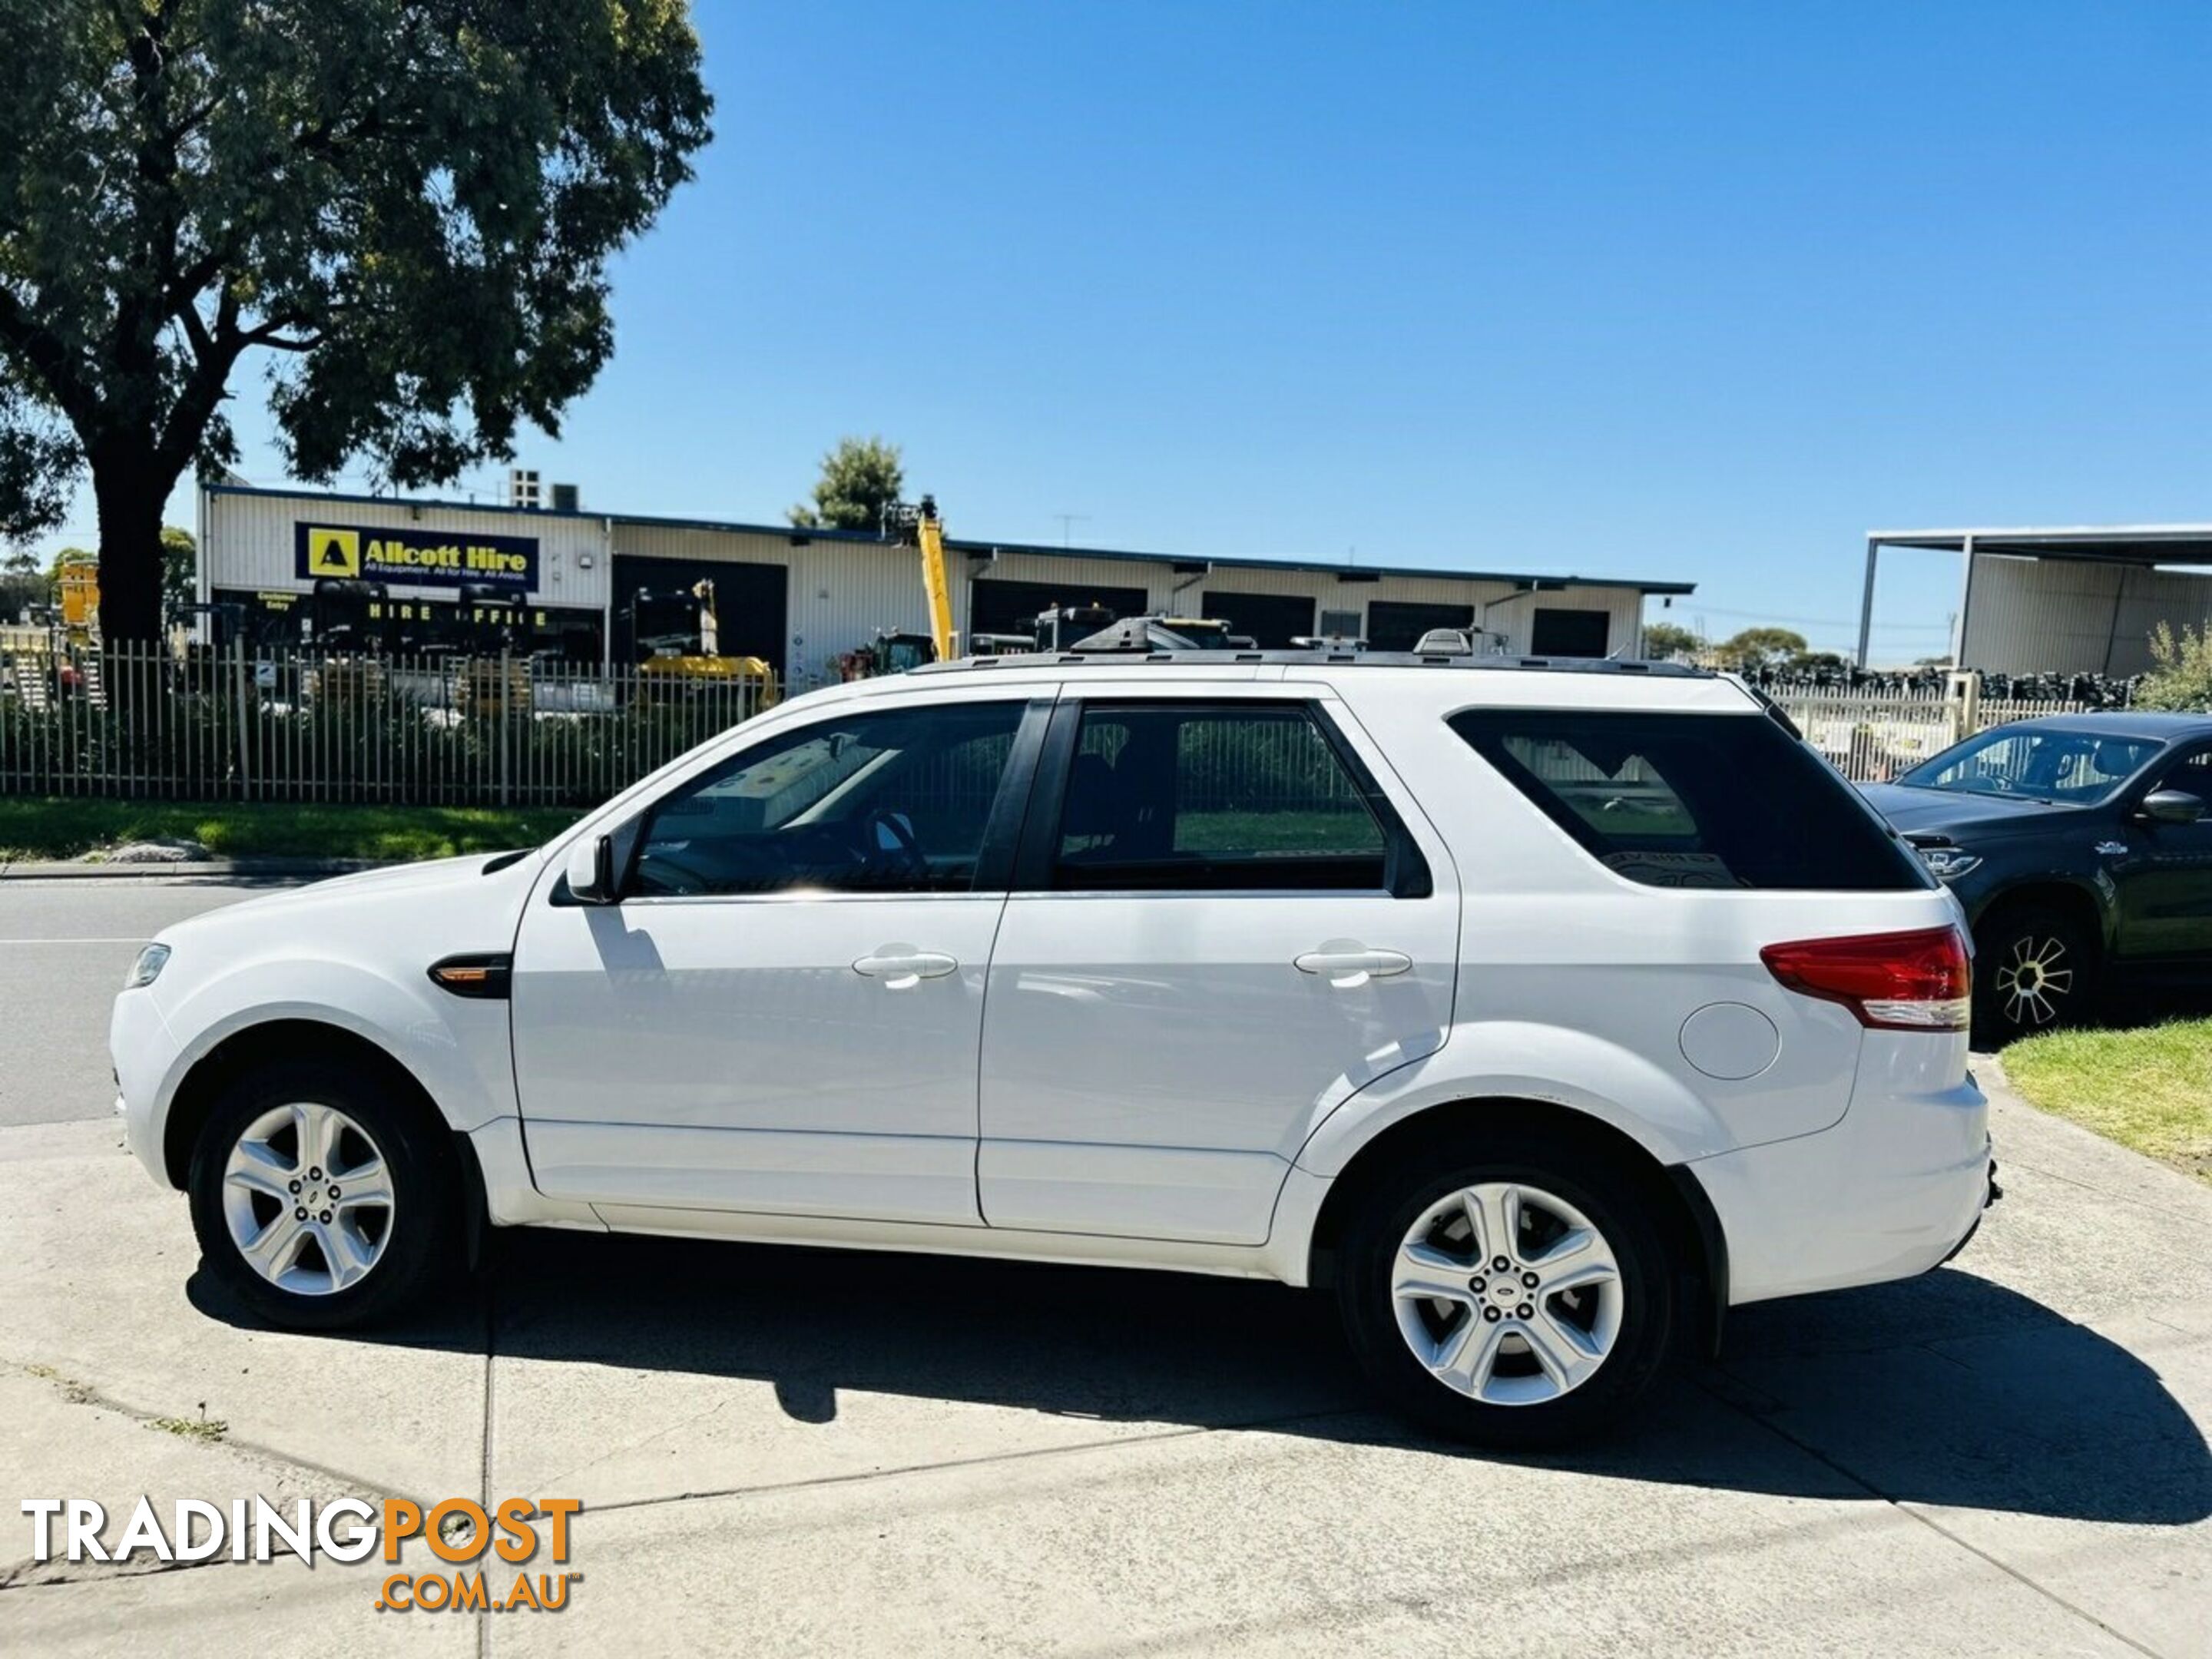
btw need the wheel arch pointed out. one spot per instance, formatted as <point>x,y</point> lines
<point>268,1042</point>
<point>1687,1222</point>
<point>2078,902</point>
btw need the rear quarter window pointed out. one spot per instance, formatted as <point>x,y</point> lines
<point>1725,801</point>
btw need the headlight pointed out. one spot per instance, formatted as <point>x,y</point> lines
<point>1949,863</point>
<point>148,968</point>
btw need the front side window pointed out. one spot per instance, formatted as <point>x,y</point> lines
<point>1693,800</point>
<point>2036,763</point>
<point>2191,774</point>
<point>1213,798</point>
<point>882,801</point>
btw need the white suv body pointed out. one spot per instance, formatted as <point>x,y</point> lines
<point>1199,963</point>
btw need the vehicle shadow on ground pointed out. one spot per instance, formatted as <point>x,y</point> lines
<point>1948,1389</point>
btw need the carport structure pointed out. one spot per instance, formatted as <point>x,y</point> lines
<point>2077,600</point>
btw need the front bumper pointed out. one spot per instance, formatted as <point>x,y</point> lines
<point>143,1049</point>
<point>1895,1187</point>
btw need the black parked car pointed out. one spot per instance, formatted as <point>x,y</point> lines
<point>2080,847</point>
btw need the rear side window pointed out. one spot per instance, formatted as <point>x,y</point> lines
<point>1213,798</point>
<point>1694,800</point>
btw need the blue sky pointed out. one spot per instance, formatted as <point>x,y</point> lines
<point>1673,290</point>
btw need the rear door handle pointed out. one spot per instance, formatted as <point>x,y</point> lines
<point>1348,967</point>
<point>901,967</point>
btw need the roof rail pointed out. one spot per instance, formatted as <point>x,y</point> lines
<point>1671,671</point>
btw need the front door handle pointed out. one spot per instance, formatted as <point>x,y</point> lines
<point>1348,967</point>
<point>901,967</point>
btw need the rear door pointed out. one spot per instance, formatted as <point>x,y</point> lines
<point>1222,926</point>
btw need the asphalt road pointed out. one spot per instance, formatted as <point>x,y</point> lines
<point>64,947</point>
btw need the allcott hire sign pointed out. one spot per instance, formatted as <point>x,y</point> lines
<point>413,558</point>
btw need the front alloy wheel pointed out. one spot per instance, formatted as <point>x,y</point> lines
<point>325,1194</point>
<point>307,1199</point>
<point>2035,980</point>
<point>2033,971</point>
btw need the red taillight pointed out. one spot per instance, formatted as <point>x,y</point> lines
<point>1916,982</point>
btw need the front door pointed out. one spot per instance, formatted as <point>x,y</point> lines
<point>782,1014</point>
<point>2166,880</point>
<point>1221,927</point>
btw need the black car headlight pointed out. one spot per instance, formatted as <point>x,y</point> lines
<point>1948,863</point>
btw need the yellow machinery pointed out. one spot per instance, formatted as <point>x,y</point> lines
<point>678,639</point>
<point>80,583</point>
<point>920,527</point>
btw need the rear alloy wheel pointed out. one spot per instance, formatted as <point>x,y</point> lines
<point>1508,1294</point>
<point>1517,1297</point>
<point>2035,971</point>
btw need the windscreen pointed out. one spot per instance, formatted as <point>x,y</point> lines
<point>2036,762</point>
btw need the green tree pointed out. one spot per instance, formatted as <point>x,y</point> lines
<point>179,567</point>
<point>22,584</point>
<point>408,204</point>
<point>2181,670</point>
<point>69,556</point>
<point>860,478</point>
<point>1665,640</point>
<point>180,559</point>
<point>1759,647</point>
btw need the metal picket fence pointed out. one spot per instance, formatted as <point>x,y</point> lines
<point>1870,738</point>
<point>148,723</point>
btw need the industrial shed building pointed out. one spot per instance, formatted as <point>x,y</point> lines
<point>800,599</point>
<point>2079,600</point>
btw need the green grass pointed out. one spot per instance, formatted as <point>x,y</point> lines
<point>206,1430</point>
<point>2150,1088</point>
<point>39,828</point>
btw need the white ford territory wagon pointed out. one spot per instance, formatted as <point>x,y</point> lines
<point>1540,1011</point>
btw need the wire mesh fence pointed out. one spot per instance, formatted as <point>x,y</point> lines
<point>450,731</point>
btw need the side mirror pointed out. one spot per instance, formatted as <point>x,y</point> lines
<point>591,871</point>
<point>2172,806</point>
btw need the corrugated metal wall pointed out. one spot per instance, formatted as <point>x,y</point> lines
<point>840,592</point>
<point>2069,617</point>
<point>249,542</point>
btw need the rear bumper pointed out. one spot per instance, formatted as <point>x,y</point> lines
<point>1895,1187</point>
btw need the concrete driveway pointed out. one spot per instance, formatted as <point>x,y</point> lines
<point>780,1451</point>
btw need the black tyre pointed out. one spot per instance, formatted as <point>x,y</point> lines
<point>2034,970</point>
<point>323,1198</point>
<point>1555,1346</point>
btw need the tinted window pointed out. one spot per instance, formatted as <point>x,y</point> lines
<point>1569,633</point>
<point>880,801</point>
<point>1219,797</point>
<point>1398,625</point>
<point>2192,775</point>
<point>2039,762</point>
<point>1694,800</point>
